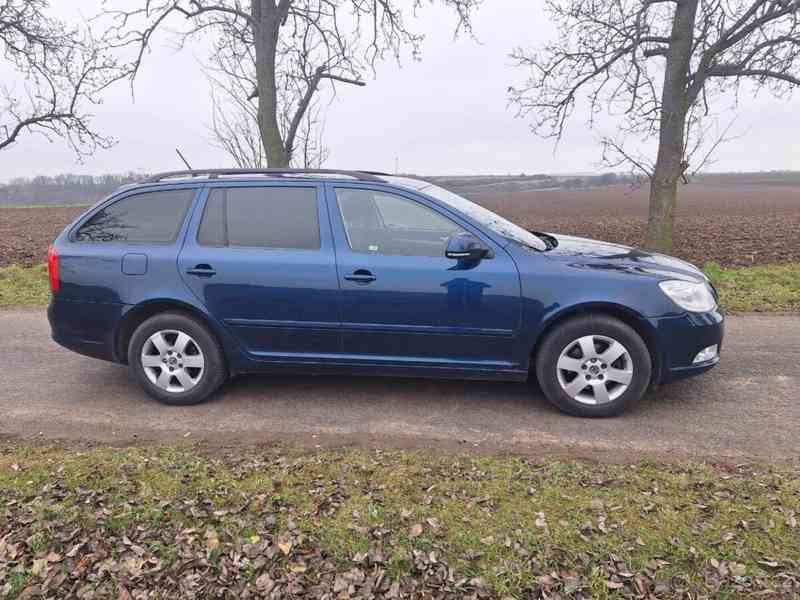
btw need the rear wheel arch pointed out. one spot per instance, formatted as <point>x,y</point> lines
<point>141,312</point>
<point>628,316</point>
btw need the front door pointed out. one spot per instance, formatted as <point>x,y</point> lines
<point>402,301</point>
<point>260,257</point>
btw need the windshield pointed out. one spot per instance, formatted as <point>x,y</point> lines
<point>485,217</point>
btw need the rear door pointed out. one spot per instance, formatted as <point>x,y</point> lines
<point>260,257</point>
<point>402,301</point>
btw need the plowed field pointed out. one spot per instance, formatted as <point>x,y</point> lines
<point>729,224</point>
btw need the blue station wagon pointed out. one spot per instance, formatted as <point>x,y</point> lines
<point>192,277</point>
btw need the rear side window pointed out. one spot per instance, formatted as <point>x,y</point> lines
<point>149,218</point>
<point>261,217</point>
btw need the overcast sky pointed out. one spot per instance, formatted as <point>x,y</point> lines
<point>448,113</point>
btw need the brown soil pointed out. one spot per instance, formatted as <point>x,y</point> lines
<point>729,224</point>
<point>25,233</point>
<point>732,225</point>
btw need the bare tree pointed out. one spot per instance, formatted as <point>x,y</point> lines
<point>661,66</point>
<point>295,45</point>
<point>60,72</point>
<point>234,124</point>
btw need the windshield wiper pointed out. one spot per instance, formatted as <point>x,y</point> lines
<point>549,240</point>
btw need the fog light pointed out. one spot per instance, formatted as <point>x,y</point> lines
<point>706,354</point>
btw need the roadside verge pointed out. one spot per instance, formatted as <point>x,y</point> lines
<point>176,521</point>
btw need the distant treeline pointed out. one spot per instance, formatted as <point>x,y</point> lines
<point>88,189</point>
<point>63,189</point>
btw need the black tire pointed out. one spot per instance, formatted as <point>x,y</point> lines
<point>212,375</point>
<point>564,334</point>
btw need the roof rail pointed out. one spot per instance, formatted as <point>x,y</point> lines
<point>216,173</point>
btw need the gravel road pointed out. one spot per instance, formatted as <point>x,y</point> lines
<point>746,408</point>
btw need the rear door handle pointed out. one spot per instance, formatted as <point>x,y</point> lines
<point>202,270</point>
<point>362,276</point>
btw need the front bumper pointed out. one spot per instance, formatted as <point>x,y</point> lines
<point>681,337</point>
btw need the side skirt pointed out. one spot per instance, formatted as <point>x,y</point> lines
<point>377,370</point>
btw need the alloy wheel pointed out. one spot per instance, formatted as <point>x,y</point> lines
<point>594,369</point>
<point>173,361</point>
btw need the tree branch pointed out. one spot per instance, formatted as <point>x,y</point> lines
<point>11,136</point>
<point>603,51</point>
<point>61,71</point>
<point>347,80</point>
<point>302,106</point>
<point>201,9</point>
<point>609,143</point>
<point>738,71</point>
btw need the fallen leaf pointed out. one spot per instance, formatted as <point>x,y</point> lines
<point>123,594</point>
<point>212,540</point>
<point>38,566</point>
<point>285,546</point>
<point>737,569</point>
<point>265,583</point>
<point>769,563</point>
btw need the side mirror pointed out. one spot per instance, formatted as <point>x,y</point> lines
<point>466,247</point>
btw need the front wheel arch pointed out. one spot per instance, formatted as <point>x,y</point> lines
<point>630,317</point>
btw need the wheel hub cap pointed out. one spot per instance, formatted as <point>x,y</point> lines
<point>594,369</point>
<point>173,361</point>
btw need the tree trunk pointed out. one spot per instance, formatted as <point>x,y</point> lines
<point>671,145</point>
<point>268,17</point>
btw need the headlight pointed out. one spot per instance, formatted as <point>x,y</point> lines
<point>694,297</point>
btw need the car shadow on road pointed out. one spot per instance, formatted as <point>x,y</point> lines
<point>431,394</point>
<point>361,394</point>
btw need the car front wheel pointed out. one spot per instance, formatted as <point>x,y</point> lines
<point>593,366</point>
<point>176,359</point>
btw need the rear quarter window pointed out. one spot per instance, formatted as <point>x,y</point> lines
<point>147,218</point>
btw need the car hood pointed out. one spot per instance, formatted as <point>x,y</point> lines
<point>586,253</point>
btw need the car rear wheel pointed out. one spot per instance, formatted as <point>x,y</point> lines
<point>593,366</point>
<point>176,359</point>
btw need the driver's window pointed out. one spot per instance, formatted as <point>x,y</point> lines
<point>379,223</point>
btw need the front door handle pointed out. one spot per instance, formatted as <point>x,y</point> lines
<point>202,270</point>
<point>362,276</point>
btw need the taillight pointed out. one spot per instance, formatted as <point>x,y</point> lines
<point>52,269</point>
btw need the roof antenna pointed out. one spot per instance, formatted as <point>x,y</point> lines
<point>183,158</point>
